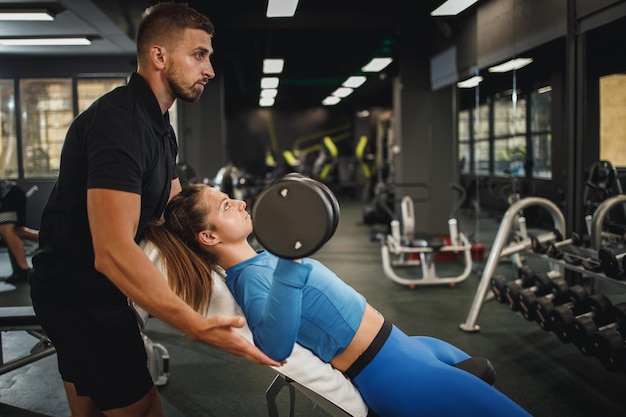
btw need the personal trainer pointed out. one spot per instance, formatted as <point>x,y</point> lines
<point>117,172</point>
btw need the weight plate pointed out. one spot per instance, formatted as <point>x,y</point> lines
<point>332,199</point>
<point>292,218</point>
<point>608,260</point>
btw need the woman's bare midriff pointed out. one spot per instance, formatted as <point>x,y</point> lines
<point>368,329</point>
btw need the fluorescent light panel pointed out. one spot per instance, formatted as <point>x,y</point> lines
<point>452,7</point>
<point>269,93</point>
<point>342,92</point>
<point>281,8</point>
<point>470,83</point>
<point>331,100</point>
<point>513,64</point>
<point>43,41</point>
<point>354,81</point>
<point>269,82</point>
<point>266,102</point>
<point>376,64</point>
<point>37,15</point>
<point>273,66</point>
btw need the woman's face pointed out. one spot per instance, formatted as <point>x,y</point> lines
<point>229,217</point>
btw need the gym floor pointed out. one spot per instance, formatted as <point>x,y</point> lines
<point>534,368</point>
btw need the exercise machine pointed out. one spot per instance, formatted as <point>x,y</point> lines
<point>402,249</point>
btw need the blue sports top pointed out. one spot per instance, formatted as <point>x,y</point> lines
<point>287,302</point>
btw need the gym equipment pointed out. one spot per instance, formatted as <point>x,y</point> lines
<point>295,216</point>
<point>586,327</point>
<point>499,250</point>
<point>499,282</point>
<point>325,163</point>
<point>539,283</point>
<point>601,184</point>
<point>552,248</point>
<point>529,299</point>
<point>572,252</point>
<point>611,264</point>
<point>23,319</point>
<point>562,317</point>
<point>608,341</point>
<point>398,250</point>
<point>582,259</point>
<point>158,361</point>
<point>575,294</point>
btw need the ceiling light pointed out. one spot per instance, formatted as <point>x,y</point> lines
<point>281,8</point>
<point>273,66</point>
<point>470,83</point>
<point>43,41</point>
<point>26,15</point>
<point>452,7</point>
<point>266,102</point>
<point>376,64</point>
<point>269,82</point>
<point>342,92</point>
<point>354,81</point>
<point>331,100</point>
<point>511,65</point>
<point>269,93</point>
<point>544,90</point>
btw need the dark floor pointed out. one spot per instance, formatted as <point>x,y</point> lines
<point>542,374</point>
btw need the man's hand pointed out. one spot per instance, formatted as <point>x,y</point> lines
<point>220,333</point>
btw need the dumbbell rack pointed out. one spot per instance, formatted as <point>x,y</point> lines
<point>502,248</point>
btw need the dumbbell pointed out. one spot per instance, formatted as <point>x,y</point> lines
<point>562,317</point>
<point>531,281</point>
<point>552,249</point>
<point>545,305</point>
<point>527,298</point>
<point>612,265</point>
<point>499,283</point>
<point>610,347</point>
<point>295,216</point>
<point>586,327</point>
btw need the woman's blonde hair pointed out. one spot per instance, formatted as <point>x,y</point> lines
<point>189,267</point>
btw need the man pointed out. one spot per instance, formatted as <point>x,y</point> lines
<point>118,170</point>
<point>13,229</point>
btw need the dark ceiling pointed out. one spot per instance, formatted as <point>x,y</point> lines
<point>323,44</point>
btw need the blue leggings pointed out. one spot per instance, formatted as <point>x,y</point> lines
<point>412,377</point>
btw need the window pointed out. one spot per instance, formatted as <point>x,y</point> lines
<point>47,110</point>
<point>540,132</point>
<point>481,139</point>
<point>88,90</point>
<point>46,113</point>
<point>508,132</point>
<point>8,132</point>
<point>464,142</point>
<point>509,119</point>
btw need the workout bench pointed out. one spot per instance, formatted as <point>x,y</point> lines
<point>23,318</point>
<point>399,249</point>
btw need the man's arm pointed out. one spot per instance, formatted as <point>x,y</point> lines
<point>113,220</point>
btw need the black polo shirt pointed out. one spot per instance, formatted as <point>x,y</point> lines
<point>121,142</point>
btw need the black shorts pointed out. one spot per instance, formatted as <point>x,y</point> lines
<point>100,350</point>
<point>13,207</point>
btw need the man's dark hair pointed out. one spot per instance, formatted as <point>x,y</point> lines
<point>164,22</point>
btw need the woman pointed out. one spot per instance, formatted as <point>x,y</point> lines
<point>287,301</point>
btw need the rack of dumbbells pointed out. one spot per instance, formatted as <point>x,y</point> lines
<point>576,314</point>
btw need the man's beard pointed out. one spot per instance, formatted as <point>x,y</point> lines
<point>190,94</point>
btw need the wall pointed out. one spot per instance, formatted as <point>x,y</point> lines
<point>424,130</point>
